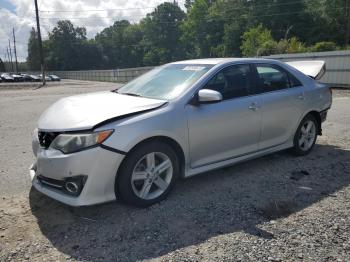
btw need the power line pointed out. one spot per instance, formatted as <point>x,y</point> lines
<point>207,19</point>
<point>97,10</point>
<point>150,7</point>
<point>102,10</point>
<point>260,7</point>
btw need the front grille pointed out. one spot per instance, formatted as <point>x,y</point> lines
<point>46,138</point>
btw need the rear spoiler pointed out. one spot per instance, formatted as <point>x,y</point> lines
<point>314,69</point>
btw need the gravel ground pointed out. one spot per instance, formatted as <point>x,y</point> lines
<point>275,208</point>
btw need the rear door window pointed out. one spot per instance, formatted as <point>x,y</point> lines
<point>272,78</point>
<point>294,82</point>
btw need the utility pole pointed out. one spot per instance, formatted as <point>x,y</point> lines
<point>5,57</point>
<point>347,33</point>
<point>2,65</point>
<point>14,47</point>
<point>8,60</point>
<point>40,43</point>
<point>11,56</point>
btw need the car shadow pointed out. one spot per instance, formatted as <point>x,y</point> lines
<point>237,198</point>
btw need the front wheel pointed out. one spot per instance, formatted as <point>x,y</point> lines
<point>305,136</point>
<point>148,174</point>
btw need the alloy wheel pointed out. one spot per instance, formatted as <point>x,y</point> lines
<point>152,175</point>
<point>307,135</point>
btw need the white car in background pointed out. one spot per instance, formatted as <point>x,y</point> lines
<point>7,77</point>
<point>54,78</point>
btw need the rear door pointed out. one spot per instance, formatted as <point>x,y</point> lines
<point>282,99</point>
<point>229,128</point>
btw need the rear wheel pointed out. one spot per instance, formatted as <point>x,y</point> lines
<point>305,136</point>
<point>148,174</point>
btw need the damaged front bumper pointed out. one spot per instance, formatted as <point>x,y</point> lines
<point>77,179</point>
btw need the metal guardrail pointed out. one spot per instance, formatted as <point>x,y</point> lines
<point>117,75</point>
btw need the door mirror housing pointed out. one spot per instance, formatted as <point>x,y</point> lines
<point>209,96</point>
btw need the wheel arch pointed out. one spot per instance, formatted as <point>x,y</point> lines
<point>167,140</point>
<point>317,116</point>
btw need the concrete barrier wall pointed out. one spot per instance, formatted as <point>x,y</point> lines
<point>117,75</point>
<point>337,73</point>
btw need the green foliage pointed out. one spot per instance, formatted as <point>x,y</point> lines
<point>331,20</point>
<point>33,59</point>
<point>161,38</point>
<point>116,42</point>
<point>324,46</point>
<point>257,41</point>
<point>195,30</point>
<point>209,28</point>
<point>68,48</point>
<point>188,4</point>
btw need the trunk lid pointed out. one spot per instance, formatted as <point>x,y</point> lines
<point>314,69</point>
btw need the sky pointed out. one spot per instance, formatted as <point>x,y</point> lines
<point>92,14</point>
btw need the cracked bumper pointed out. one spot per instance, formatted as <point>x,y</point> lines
<point>97,164</point>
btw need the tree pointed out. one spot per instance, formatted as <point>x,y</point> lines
<point>162,34</point>
<point>68,48</point>
<point>235,17</point>
<point>133,36</point>
<point>258,41</point>
<point>188,4</point>
<point>196,30</point>
<point>33,59</point>
<point>210,28</point>
<point>333,20</point>
<point>113,44</point>
<point>283,18</point>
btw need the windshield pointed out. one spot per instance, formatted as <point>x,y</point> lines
<point>166,82</point>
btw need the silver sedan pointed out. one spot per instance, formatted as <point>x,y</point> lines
<point>178,120</point>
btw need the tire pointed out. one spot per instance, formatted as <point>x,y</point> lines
<point>138,182</point>
<point>303,146</point>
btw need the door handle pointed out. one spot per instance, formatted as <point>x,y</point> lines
<point>253,106</point>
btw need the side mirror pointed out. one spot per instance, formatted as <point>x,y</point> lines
<point>209,96</point>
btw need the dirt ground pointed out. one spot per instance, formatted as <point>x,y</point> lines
<point>275,208</point>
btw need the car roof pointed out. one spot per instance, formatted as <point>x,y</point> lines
<point>216,61</point>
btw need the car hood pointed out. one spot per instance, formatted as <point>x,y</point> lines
<point>83,112</point>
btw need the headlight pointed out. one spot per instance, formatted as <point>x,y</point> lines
<point>70,143</point>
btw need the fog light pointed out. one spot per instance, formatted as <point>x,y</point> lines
<point>74,185</point>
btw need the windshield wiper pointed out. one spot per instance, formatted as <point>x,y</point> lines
<point>129,94</point>
<point>126,93</point>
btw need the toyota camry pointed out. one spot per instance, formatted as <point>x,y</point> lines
<point>177,120</point>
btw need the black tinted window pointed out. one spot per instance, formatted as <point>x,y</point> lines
<point>272,78</point>
<point>294,81</point>
<point>233,81</point>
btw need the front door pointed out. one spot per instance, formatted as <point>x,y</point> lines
<point>229,128</point>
